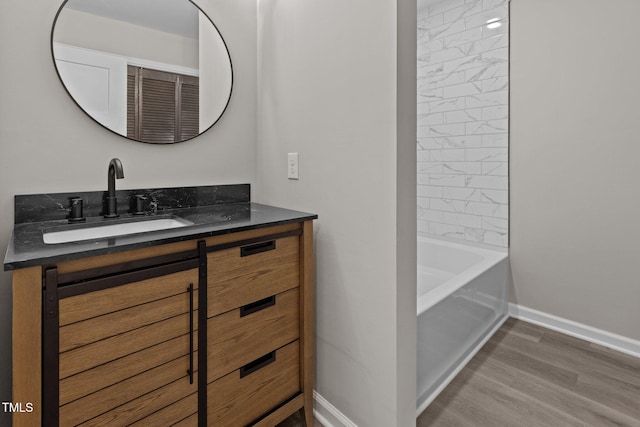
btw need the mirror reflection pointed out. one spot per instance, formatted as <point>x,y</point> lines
<point>155,71</point>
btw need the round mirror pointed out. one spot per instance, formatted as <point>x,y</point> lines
<point>155,71</point>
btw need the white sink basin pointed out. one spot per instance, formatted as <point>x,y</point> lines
<point>113,230</point>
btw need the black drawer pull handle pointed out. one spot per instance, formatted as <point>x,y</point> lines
<point>190,370</point>
<point>257,364</point>
<point>246,310</point>
<point>257,248</point>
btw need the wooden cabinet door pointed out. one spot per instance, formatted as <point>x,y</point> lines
<point>128,352</point>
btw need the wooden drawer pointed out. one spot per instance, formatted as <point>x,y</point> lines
<point>239,336</point>
<point>240,275</point>
<point>236,400</point>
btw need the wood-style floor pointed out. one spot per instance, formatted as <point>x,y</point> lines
<point>295,420</point>
<point>528,376</point>
<point>531,376</point>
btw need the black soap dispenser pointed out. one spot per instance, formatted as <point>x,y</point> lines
<point>76,214</point>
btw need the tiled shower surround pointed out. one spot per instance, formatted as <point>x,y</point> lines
<point>463,120</point>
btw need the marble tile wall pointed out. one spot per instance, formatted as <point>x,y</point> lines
<point>463,120</point>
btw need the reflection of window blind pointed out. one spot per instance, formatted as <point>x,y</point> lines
<point>189,111</point>
<point>131,104</point>
<point>162,107</point>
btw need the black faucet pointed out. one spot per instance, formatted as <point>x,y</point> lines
<point>115,172</point>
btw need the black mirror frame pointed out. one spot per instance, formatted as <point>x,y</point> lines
<point>53,57</point>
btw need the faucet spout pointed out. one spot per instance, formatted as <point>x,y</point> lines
<point>115,172</point>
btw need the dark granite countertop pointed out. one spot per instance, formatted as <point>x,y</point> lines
<point>27,248</point>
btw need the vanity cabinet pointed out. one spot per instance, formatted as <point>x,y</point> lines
<point>216,331</point>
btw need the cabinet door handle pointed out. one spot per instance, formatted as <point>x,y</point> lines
<point>190,370</point>
<point>257,248</point>
<point>245,310</point>
<point>257,364</point>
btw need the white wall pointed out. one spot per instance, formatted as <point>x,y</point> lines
<point>406,263</point>
<point>94,32</point>
<point>463,120</point>
<point>215,80</point>
<point>48,145</point>
<point>327,83</point>
<point>574,156</point>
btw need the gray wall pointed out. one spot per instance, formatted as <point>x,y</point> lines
<point>48,145</point>
<point>330,89</point>
<point>574,160</point>
<point>85,30</point>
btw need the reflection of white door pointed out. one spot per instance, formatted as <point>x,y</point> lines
<point>98,83</point>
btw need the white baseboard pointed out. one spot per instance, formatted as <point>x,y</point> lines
<point>329,415</point>
<point>569,327</point>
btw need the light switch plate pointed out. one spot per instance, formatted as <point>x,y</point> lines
<point>292,166</point>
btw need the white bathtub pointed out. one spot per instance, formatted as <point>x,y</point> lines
<point>461,302</point>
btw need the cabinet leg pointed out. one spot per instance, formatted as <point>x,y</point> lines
<point>306,415</point>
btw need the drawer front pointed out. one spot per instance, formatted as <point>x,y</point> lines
<point>236,400</point>
<point>239,336</point>
<point>241,275</point>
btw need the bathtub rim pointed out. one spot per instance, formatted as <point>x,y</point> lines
<point>492,255</point>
